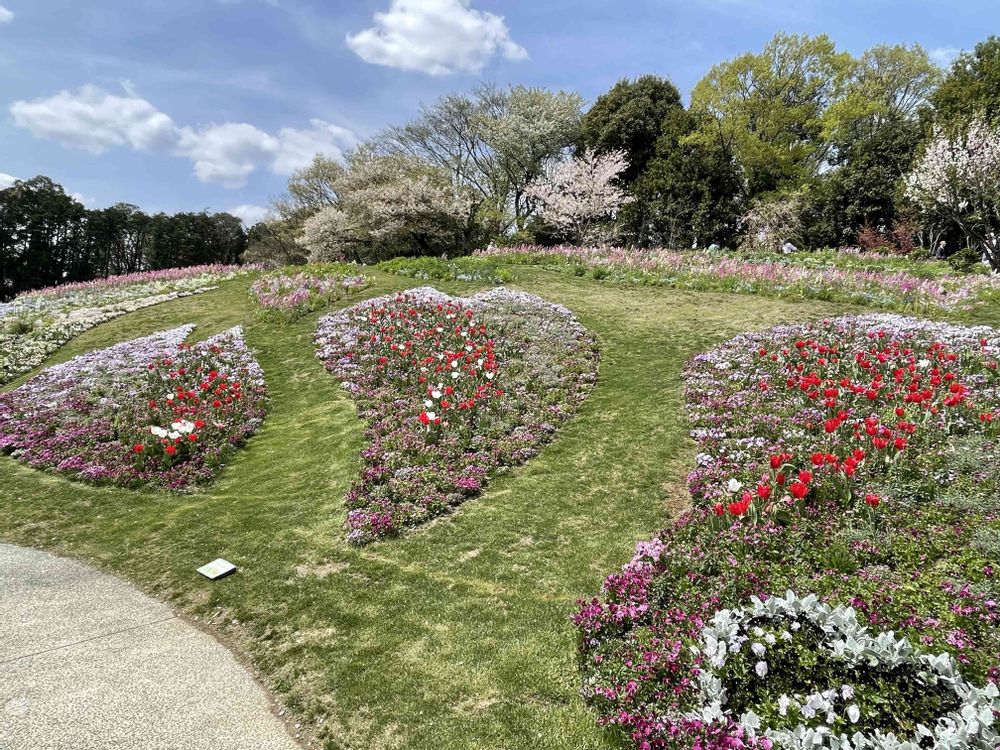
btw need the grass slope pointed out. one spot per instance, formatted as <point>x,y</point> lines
<point>456,636</point>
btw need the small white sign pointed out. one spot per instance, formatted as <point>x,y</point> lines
<point>217,569</point>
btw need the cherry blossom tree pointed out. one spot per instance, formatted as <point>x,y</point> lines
<point>958,178</point>
<point>579,194</point>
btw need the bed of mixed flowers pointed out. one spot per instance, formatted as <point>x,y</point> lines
<point>451,389</point>
<point>154,411</point>
<point>856,463</point>
<point>724,272</point>
<point>35,324</point>
<point>291,294</point>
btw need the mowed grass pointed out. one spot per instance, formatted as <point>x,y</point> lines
<point>458,634</point>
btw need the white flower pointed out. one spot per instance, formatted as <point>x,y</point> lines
<point>760,668</point>
<point>435,393</point>
<point>428,403</point>
<point>735,485</point>
<point>783,703</point>
<point>853,713</point>
<point>758,649</point>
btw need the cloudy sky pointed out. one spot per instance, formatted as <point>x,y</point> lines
<point>210,104</point>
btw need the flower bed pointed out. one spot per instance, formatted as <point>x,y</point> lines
<point>34,325</point>
<point>154,411</point>
<point>829,407</point>
<point>451,389</point>
<point>893,290</point>
<point>289,295</point>
<point>856,461</point>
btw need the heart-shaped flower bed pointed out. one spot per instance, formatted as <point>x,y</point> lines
<point>451,389</point>
<point>153,411</point>
<point>806,675</point>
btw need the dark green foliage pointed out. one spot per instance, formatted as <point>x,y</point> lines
<point>47,237</point>
<point>689,192</point>
<point>972,87</point>
<point>965,260</point>
<point>862,187</point>
<point>630,118</point>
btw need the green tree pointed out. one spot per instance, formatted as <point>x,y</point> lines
<point>972,87</point>
<point>388,206</point>
<point>874,133</point>
<point>41,231</point>
<point>115,239</point>
<point>772,110</point>
<point>494,142</point>
<point>629,118</point>
<point>690,192</point>
<point>863,186</point>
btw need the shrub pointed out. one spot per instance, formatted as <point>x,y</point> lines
<point>770,224</point>
<point>469,268</point>
<point>965,260</point>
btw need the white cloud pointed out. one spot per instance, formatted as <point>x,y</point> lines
<point>297,148</point>
<point>5,15</point>
<point>227,153</point>
<point>95,120</point>
<point>436,37</point>
<point>85,200</point>
<point>943,57</point>
<point>250,214</point>
<point>6,180</point>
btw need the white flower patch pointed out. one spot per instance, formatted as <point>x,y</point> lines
<point>54,316</point>
<point>827,715</point>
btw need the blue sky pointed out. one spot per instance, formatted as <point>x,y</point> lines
<point>209,104</point>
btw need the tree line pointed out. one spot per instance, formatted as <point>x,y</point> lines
<point>47,237</point>
<point>797,143</point>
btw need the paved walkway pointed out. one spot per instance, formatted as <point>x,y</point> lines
<point>89,663</point>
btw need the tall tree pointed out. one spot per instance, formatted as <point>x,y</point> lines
<point>771,110</point>
<point>691,192</point>
<point>309,190</point>
<point>874,134</point>
<point>972,87</point>
<point>629,118</point>
<point>862,185</point>
<point>41,232</point>
<point>388,206</point>
<point>493,141</point>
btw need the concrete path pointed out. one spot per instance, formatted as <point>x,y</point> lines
<point>87,662</point>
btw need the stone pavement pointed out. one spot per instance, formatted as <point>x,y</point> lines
<point>87,662</point>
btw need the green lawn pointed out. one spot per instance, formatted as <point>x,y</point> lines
<point>457,635</point>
